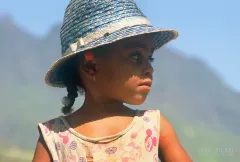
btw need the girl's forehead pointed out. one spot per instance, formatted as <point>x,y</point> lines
<point>142,41</point>
<point>140,38</point>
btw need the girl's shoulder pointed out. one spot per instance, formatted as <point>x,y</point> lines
<point>151,117</point>
<point>153,114</point>
<point>58,138</point>
<point>52,126</point>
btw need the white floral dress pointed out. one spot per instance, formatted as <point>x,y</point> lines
<point>137,143</point>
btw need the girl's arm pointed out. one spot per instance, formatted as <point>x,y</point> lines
<point>170,149</point>
<point>41,152</point>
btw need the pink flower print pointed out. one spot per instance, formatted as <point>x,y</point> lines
<point>150,141</point>
<point>111,150</point>
<point>131,153</point>
<point>72,158</point>
<point>96,147</point>
<point>63,133</point>
<point>135,134</point>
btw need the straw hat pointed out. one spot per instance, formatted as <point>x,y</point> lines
<point>92,23</point>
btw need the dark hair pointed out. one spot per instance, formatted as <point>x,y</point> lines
<point>72,95</point>
<point>72,80</point>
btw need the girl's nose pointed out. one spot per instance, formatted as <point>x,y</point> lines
<point>148,72</point>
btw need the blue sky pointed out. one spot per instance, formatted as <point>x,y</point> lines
<point>208,29</point>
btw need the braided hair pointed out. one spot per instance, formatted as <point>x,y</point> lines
<point>72,95</point>
<point>73,84</point>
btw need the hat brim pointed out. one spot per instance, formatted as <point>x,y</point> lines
<point>55,74</point>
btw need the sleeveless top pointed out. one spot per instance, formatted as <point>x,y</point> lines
<point>137,143</point>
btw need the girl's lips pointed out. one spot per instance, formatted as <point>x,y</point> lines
<point>146,83</point>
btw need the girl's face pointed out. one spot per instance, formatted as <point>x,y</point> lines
<point>125,72</point>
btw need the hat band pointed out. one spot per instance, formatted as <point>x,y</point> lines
<point>111,28</point>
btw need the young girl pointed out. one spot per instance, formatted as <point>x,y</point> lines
<point>107,48</point>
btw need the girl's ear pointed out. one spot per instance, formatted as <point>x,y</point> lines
<point>89,64</point>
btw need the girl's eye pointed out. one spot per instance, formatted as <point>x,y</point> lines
<point>136,55</point>
<point>151,59</point>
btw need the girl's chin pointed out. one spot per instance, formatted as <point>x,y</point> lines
<point>136,100</point>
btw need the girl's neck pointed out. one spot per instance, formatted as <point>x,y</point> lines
<point>107,107</point>
<point>101,105</point>
<point>96,109</point>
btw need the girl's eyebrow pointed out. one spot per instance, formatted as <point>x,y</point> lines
<point>138,45</point>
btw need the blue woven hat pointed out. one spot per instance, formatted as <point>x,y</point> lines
<point>92,23</point>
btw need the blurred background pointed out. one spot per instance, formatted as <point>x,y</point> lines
<point>196,80</point>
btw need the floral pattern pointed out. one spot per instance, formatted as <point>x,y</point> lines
<point>150,141</point>
<point>138,144</point>
<point>131,153</point>
<point>63,134</point>
<point>111,150</point>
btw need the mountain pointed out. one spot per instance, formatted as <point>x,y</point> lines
<point>202,107</point>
